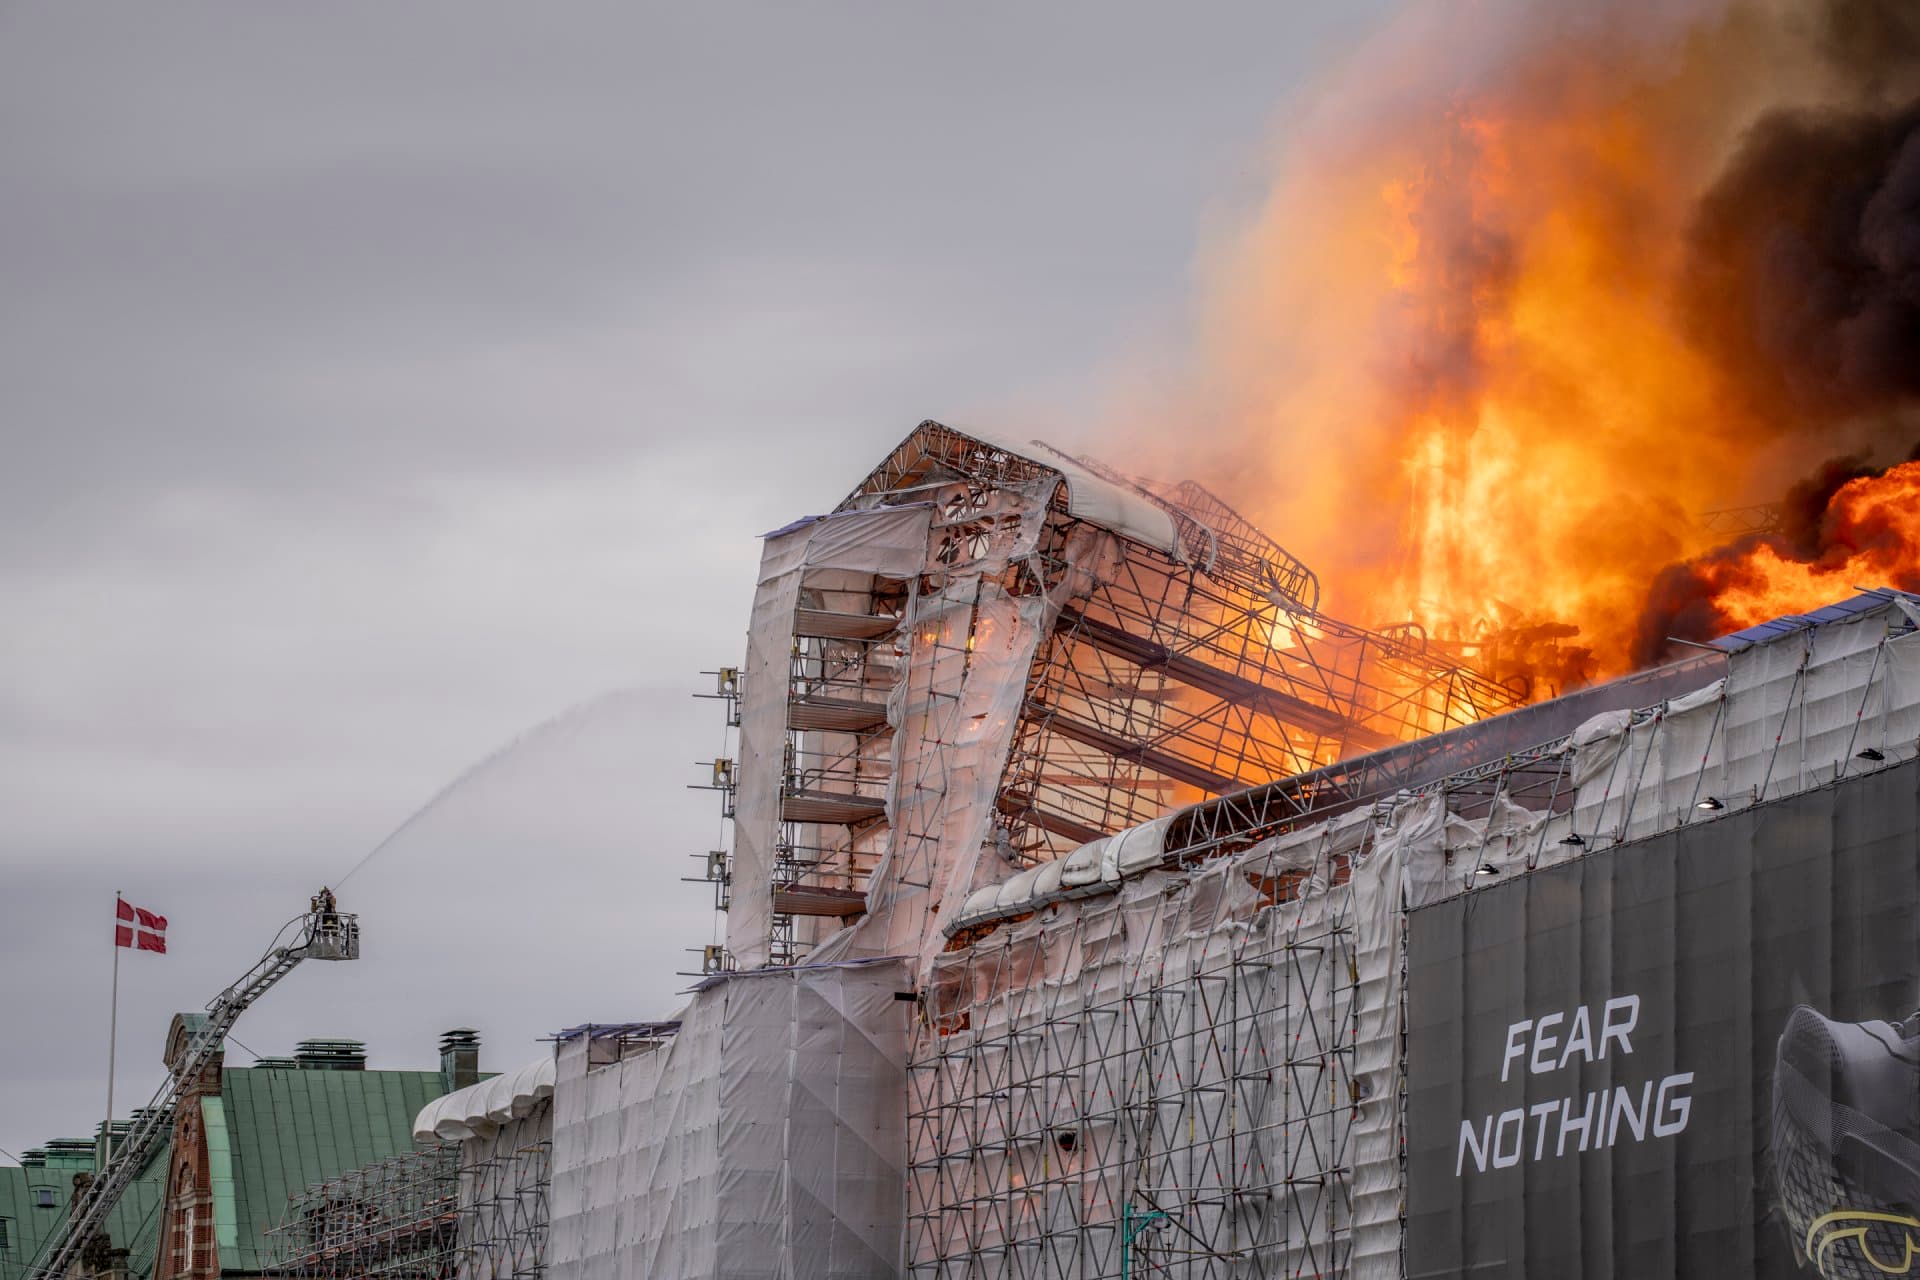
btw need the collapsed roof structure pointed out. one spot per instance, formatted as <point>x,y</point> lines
<point>993,653</point>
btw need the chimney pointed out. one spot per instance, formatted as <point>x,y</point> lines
<point>459,1058</point>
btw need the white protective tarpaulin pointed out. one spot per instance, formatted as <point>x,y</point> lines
<point>884,540</point>
<point>479,1109</point>
<point>954,713</point>
<point>1793,712</point>
<point>765,1139</point>
<point>1094,498</point>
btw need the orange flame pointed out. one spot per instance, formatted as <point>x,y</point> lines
<point>1868,536</point>
<point>1459,344</point>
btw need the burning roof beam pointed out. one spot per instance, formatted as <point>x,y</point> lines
<point>1238,819</point>
<point>1122,748</point>
<point>1022,807</point>
<point>1284,707</point>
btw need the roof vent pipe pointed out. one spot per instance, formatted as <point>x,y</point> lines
<point>459,1058</point>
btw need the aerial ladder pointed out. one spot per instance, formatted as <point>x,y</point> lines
<point>323,933</point>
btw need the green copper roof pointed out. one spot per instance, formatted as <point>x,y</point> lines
<point>213,1119</point>
<point>287,1129</point>
<point>272,1133</point>
<point>134,1223</point>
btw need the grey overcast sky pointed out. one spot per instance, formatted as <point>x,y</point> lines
<point>378,380</point>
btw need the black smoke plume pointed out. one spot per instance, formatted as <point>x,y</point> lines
<point>1803,284</point>
<point>1805,274</point>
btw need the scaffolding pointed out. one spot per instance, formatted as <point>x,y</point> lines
<point>1157,1084</point>
<point>453,1211</point>
<point>505,1181</point>
<point>1192,1065</point>
<point>396,1218</point>
<point>993,654</point>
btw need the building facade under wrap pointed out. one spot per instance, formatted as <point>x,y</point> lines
<point>991,654</point>
<point>1637,1000</point>
<point>1098,907</point>
<point>760,1134</point>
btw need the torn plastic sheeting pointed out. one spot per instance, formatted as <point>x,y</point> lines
<point>1380,891</point>
<point>1615,763</point>
<point>1466,846</point>
<point>1434,842</point>
<point>1311,848</point>
<point>878,540</point>
<point>1094,498</point>
<point>1141,903</point>
<point>1216,895</point>
<point>958,710</point>
<point>1511,831</point>
<point>1681,751</point>
<point>762,744</point>
<point>1596,742</point>
<point>1698,698</point>
<point>847,544</point>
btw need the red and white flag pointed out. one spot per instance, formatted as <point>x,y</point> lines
<point>138,927</point>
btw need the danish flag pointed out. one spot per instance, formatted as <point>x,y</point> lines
<point>138,927</point>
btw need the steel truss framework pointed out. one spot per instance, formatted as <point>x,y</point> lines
<point>1508,748</point>
<point>1166,680</point>
<point>1174,680</point>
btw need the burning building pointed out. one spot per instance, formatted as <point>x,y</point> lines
<point>1373,1038</point>
<point>1099,907</point>
<point>992,654</point>
<point>1103,902</point>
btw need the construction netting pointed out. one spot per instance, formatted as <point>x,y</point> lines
<point>868,762</point>
<point>831,563</point>
<point>502,1130</point>
<point>761,1134</point>
<point>1135,1067</point>
<point>1173,1073</point>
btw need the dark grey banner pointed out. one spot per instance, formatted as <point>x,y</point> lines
<point>1694,1056</point>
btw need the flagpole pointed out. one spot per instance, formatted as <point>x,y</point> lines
<point>113,1034</point>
